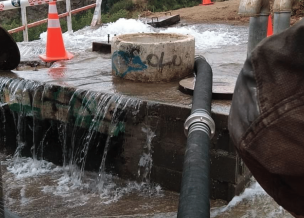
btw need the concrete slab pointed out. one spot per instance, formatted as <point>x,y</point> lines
<point>68,93</point>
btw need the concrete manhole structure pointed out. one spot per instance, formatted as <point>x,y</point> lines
<point>153,57</point>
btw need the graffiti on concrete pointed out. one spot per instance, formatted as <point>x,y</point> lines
<point>130,61</point>
<point>79,108</point>
<point>154,61</point>
<point>16,3</point>
<point>125,62</point>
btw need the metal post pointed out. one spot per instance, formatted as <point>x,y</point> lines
<point>97,14</point>
<point>99,18</point>
<point>24,23</point>
<point>257,31</point>
<point>69,17</point>
<point>281,21</point>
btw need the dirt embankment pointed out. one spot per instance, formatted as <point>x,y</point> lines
<point>220,12</point>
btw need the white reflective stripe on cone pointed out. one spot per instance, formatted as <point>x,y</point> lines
<point>53,23</point>
<point>52,9</point>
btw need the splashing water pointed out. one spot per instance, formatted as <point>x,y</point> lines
<point>99,112</point>
<point>23,167</point>
<point>66,186</point>
<point>113,126</point>
<point>254,202</point>
<point>206,36</point>
<point>146,161</point>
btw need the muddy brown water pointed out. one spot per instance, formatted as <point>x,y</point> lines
<point>45,195</point>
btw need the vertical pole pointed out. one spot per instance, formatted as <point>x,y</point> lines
<point>99,17</point>
<point>69,17</point>
<point>281,21</point>
<point>97,14</point>
<point>24,23</point>
<point>257,31</point>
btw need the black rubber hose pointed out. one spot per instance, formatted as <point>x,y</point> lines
<point>202,94</point>
<point>194,195</point>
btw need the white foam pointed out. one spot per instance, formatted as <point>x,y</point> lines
<point>24,200</point>
<point>253,202</point>
<point>28,167</point>
<point>71,183</point>
<point>205,37</point>
<point>208,38</point>
<point>250,193</point>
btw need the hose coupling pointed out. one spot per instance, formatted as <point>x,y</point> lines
<point>200,120</point>
<point>196,57</point>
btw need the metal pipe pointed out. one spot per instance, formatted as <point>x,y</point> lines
<point>24,23</point>
<point>281,22</point>
<point>282,6</point>
<point>252,8</point>
<point>257,31</point>
<point>282,14</point>
<point>37,23</point>
<point>97,14</point>
<point>199,126</point>
<point>69,17</point>
<point>258,11</point>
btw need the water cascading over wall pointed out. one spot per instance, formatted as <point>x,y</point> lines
<point>92,131</point>
<point>75,127</point>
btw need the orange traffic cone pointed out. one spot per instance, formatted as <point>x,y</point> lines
<point>55,49</point>
<point>207,2</point>
<point>269,28</point>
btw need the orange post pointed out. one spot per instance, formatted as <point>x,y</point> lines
<point>55,49</point>
<point>207,2</point>
<point>269,28</point>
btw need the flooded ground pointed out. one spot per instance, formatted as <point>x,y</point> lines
<point>40,189</point>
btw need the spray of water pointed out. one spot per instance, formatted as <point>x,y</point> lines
<point>206,36</point>
<point>146,161</point>
<point>99,112</point>
<point>253,202</point>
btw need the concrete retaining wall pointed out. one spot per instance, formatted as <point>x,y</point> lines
<point>57,120</point>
